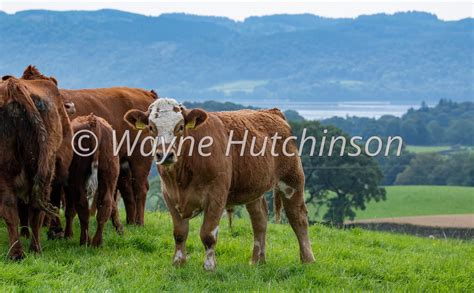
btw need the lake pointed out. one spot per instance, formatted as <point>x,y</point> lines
<point>322,110</point>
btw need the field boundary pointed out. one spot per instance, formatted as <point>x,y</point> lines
<point>417,230</point>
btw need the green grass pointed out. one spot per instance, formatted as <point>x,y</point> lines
<point>353,260</point>
<point>421,200</point>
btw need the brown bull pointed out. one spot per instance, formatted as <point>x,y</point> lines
<point>32,123</point>
<point>112,104</point>
<point>224,174</point>
<point>92,177</point>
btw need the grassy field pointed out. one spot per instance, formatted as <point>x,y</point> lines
<point>436,149</point>
<point>427,149</point>
<point>421,200</point>
<point>141,260</point>
<point>246,86</point>
<point>401,201</point>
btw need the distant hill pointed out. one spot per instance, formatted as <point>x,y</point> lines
<point>399,58</point>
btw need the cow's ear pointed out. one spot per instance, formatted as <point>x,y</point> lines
<point>194,118</point>
<point>136,119</point>
<point>6,77</point>
<point>54,80</point>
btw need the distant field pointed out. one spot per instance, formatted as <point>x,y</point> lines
<point>421,200</point>
<point>246,86</point>
<point>401,201</point>
<point>427,149</point>
<point>436,149</point>
<point>140,260</point>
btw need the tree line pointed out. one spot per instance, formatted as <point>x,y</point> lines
<point>447,123</point>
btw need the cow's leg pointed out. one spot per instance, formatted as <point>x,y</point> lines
<point>115,215</point>
<point>70,211</point>
<point>297,214</point>
<point>55,228</point>
<point>9,209</point>
<point>124,185</point>
<point>140,168</point>
<point>36,222</point>
<point>24,219</point>
<point>82,208</point>
<point>104,208</point>
<point>258,211</point>
<point>209,231</point>
<point>180,232</point>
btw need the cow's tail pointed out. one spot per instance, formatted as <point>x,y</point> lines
<point>45,163</point>
<point>92,181</point>
<point>277,204</point>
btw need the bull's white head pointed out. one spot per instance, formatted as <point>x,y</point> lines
<point>168,121</point>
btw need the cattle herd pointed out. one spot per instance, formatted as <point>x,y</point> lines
<point>40,172</point>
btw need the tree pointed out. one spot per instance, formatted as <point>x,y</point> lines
<point>341,183</point>
<point>293,115</point>
<point>424,169</point>
<point>437,169</point>
<point>392,165</point>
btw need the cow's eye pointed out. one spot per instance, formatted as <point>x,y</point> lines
<point>181,127</point>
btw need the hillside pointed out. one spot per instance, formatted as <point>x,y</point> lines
<point>406,57</point>
<point>351,260</point>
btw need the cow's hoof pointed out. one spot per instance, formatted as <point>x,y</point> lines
<point>307,257</point>
<point>16,252</point>
<point>119,230</point>
<point>179,258</point>
<point>55,234</point>
<point>260,261</point>
<point>25,232</point>
<point>85,241</point>
<point>96,242</point>
<point>210,267</point>
<point>210,261</point>
<point>35,248</point>
<point>17,256</point>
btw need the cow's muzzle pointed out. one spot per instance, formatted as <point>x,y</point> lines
<point>166,159</point>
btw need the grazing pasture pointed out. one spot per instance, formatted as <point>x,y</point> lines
<point>405,201</point>
<point>141,260</point>
<point>402,201</point>
<point>437,149</point>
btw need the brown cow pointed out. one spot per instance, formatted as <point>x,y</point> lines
<point>63,160</point>
<point>32,123</point>
<point>212,183</point>
<point>92,177</point>
<point>112,104</point>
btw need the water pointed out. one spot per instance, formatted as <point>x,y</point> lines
<point>322,110</point>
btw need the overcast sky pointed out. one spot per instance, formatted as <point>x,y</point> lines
<point>447,10</point>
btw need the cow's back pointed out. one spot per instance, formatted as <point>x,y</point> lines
<point>110,104</point>
<point>254,175</point>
